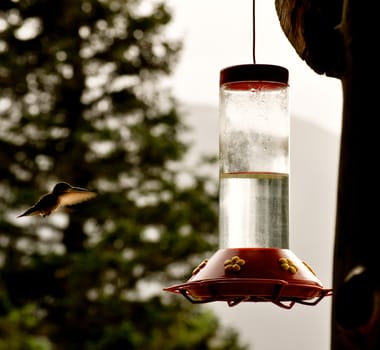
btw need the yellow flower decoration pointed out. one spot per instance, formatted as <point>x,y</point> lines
<point>288,265</point>
<point>200,267</point>
<point>233,264</point>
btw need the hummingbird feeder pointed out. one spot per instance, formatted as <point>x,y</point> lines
<point>254,262</point>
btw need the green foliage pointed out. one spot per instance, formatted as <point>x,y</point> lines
<point>83,100</point>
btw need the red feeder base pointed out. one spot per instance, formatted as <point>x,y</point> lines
<point>235,275</point>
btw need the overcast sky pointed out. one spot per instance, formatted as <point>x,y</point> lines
<point>219,34</point>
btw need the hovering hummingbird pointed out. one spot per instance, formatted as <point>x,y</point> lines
<point>63,194</point>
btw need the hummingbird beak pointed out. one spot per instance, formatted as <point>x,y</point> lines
<point>77,189</point>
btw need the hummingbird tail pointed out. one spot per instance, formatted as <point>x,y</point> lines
<point>29,212</point>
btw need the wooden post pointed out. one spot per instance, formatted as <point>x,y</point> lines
<point>355,31</point>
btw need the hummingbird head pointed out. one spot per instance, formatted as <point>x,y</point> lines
<point>61,187</point>
<point>64,187</point>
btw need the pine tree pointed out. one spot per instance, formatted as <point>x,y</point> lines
<point>84,99</point>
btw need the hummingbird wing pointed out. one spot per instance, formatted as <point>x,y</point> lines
<point>74,197</point>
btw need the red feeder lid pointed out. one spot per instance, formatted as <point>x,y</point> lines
<point>254,72</point>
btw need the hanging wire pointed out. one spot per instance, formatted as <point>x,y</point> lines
<point>253,33</point>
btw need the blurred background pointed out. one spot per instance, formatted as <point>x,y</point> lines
<point>121,97</point>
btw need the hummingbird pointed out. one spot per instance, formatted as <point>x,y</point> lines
<point>62,194</point>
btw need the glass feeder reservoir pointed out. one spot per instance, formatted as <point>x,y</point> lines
<point>253,262</point>
<point>254,157</point>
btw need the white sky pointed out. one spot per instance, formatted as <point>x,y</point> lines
<point>219,34</point>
